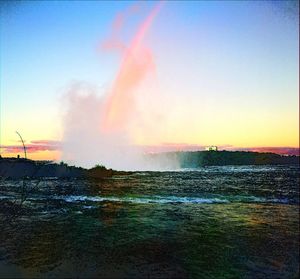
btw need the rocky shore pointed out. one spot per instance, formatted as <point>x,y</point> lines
<point>20,168</point>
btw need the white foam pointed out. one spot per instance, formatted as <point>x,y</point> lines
<point>172,199</point>
<point>152,199</point>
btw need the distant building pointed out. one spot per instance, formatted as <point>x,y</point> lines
<point>211,148</point>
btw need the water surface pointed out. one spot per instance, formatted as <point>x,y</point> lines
<point>214,222</point>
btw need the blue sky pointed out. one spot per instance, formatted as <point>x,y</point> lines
<point>219,55</point>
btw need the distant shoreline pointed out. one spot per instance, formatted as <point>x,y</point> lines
<point>195,159</point>
<point>26,168</point>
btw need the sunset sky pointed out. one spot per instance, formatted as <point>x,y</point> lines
<point>219,73</point>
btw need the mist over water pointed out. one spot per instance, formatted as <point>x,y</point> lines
<point>101,130</point>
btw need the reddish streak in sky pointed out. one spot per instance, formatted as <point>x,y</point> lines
<point>137,63</point>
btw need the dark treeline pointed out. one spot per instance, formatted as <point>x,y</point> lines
<point>20,168</point>
<point>222,158</point>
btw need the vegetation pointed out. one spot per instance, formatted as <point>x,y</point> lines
<point>223,158</point>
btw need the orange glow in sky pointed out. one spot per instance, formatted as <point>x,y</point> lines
<point>226,74</point>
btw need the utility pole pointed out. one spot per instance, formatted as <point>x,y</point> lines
<point>23,145</point>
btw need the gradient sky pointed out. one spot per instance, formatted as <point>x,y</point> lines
<point>228,71</point>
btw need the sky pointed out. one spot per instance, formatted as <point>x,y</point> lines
<point>222,73</point>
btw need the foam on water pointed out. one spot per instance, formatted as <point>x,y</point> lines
<point>172,199</point>
<point>152,199</point>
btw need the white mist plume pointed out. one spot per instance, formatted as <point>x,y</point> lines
<point>101,130</point>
